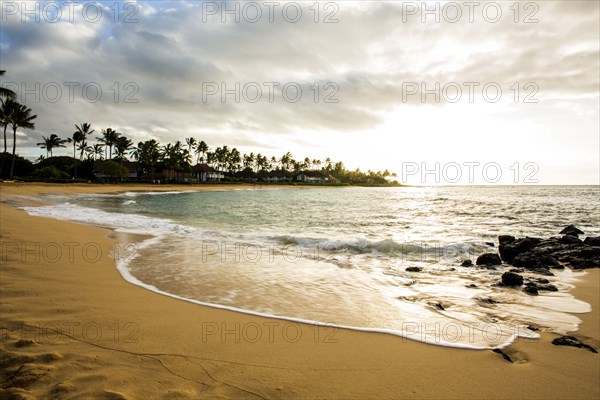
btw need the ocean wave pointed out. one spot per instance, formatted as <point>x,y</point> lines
<point>385,246</point>
<point>129,223</point>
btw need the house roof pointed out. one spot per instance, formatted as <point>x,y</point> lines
<point>203,168</point>
<point>316,174</point>
<point>132,166</point>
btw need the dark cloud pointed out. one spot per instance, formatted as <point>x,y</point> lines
<point>368,54</point>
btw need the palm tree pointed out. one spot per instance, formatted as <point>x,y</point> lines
<point>233,160</point>
<point>76,139</point>
<point>147,154</point>
<point>20,118</point>
<point>122,146</point>
<point>262,162</point>
<point>7,93</point>
<point>306,163</point>
<point>98,149</point>
<point>84,129</point>
<point>109,138</point>
<point>191,143</point>
<point>51,142</point>
<point>201,148</point>
<point>249,160</point>
<point>286,160</point>
<point>211,158</point>
<point>7,107</point>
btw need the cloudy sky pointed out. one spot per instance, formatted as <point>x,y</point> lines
<point>436,91</point>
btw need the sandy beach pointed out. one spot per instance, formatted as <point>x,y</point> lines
<point>72,327</point>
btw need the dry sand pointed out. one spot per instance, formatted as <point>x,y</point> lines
<point>72,327</point>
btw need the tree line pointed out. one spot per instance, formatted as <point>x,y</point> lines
<point>179,156</point>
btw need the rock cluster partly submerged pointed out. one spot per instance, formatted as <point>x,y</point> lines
<point>540,256</point>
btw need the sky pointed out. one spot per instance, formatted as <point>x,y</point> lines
<point>439,92</point>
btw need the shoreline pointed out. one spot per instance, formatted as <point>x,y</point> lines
<point>209,352</point>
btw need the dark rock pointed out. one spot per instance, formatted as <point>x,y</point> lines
<point>503,354</point>
<point>531,289</point>
<point>571,230</point>
<point>569,239</point>
<point>533,328</point>
<point>439,306</point>
<point>518,270</point>
<point>549,287</point>
<point>509,251</point>
<point>452,269</point>
<point>592,241</point>
<point>505,239</point>
<point>512,279</point>
<point>488,259</point>
<point>572,341</point>
<point>533,260</point>
<point>466,263</point>
<point>542,280</point>
<point>414,269</point>
<point>579,256</point>
<point>490,244</point>
<point>472,286</point>
<point>487,300</point>
<point>541,271</point>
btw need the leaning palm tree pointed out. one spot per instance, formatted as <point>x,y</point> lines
<point>85,129</point>
<point>20,118</point>
<point>49,143</point>
<point>7,93</point>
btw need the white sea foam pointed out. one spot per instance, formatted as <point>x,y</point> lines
<point>129,223</point>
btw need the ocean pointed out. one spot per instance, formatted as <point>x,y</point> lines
<point>338,256</point>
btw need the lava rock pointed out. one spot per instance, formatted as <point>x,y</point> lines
<point>570,239</point>
<point>505,239</point>
<point>541,271</point>
<point>592,241</point>
<point>488,259</point>
<point>509,251</point>
<point>490,244</point>
<point>487,300</point>
<point>466,263</point>
<point>472,286</point>
<point>572,341</point>
<point>439,306</point>
<point>414,269</point>
<point>512,279</point>
<point>549,287</point>
<point>533,260</point>
<point>579,256</point>
<point>571,230</point>
<point>531,289</point>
